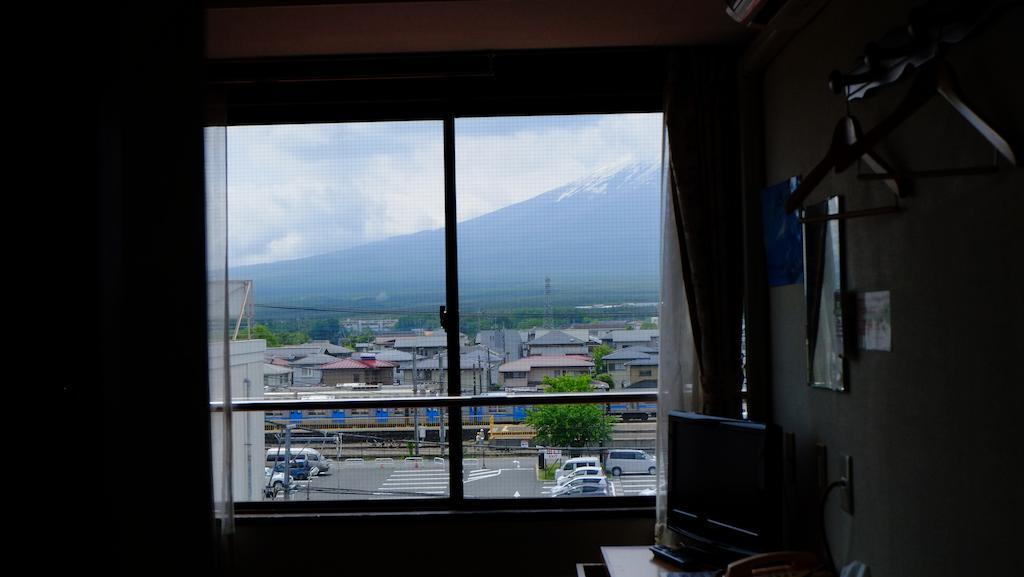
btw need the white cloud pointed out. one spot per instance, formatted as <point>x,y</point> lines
<point>300,190</point>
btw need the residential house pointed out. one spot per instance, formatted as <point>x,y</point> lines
<point>276,376</point>
<point>427,345</point>
<point>362,369</point>
<point>529,372</point>
<point>477,365</point>
<point>307,368</point>
<point>643,373</point>
<point>506,342</point>
<point>632,338</point>
<point>294,352</point>
<point>616,363</point>
<point>556,343</point>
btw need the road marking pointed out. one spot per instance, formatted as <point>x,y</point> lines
<point>482,474</point>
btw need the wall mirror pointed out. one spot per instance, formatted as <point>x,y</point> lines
<point>823,289</point>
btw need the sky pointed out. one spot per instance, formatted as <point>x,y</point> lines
<point>300,190</point>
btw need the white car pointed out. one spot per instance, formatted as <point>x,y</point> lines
<point>275,482</point>
<point>581,472</point>
<point>574,485</point>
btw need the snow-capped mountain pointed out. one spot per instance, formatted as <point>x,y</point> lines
<point>593,237</point>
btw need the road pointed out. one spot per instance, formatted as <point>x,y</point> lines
<point>491,478</point>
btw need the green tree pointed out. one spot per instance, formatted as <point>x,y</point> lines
<point>648,326</point>
<point>598,354</point>
<point>569,425</point>
<point>294,338</point>
<point>606,378</point>
<point>263,332</point>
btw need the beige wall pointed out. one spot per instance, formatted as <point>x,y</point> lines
<point>634,373</point>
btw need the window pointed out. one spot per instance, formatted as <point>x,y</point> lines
<point>345,236</point>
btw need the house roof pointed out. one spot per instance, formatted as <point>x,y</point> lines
<point>627,354</point>
<point>647,362</point>
<point>644,384</point>
<point>394,356</point>
<point>272,369</point>
<point>315,359</point>
<point>342,364</point>
<point>634,336</point>
<point>524,365</point>
<point>305,349</point>
<point>432,341</point>
<point>556,338</point>
<point>466,360</point>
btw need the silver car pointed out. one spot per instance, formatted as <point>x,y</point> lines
<point>600,482</point>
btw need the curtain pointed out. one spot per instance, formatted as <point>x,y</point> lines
<point>702,249</point>
<point>218,335</point>
<point>701,119</point>
<point>677,365</point>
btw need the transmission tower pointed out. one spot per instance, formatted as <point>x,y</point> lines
<point>548,321</point>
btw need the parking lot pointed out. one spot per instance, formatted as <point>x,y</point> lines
<point>395,478</point>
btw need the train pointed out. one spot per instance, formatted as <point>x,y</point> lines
<point>333,420</point>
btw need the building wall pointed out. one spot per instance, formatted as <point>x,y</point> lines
<point>931,425</point>
<point>537,374</point>
<point>246,360</point>
<point>634,373</point>
<point>557,350</point>
<point>384,376</point>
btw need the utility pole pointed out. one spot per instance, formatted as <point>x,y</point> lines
<point>440,410</point>
<point>287,460</point>
<point>548,321</point>
<point>415,410</point>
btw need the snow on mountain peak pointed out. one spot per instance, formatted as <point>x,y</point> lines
<point>597,181</point>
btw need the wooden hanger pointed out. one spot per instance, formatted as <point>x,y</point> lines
<point>934,78</point>
<point>846,134</point>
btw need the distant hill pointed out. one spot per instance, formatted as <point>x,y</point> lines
<point>596,238</point>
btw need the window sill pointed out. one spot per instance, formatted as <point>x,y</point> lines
<point>536,509</point>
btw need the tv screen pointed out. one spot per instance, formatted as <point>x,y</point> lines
<point>723,484</point>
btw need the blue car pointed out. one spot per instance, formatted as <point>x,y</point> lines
<point>299,470</point>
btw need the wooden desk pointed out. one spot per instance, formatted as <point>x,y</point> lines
<point>633,562</point>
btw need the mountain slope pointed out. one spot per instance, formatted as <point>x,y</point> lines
<point>597,239</point>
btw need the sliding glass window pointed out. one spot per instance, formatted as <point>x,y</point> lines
<point>559,243</point>
<point>340,369</point>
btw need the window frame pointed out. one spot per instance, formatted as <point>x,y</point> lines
<point>439,87</point>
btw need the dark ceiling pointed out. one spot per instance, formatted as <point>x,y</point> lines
<point>253,28</point>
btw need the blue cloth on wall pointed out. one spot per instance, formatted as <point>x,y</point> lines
<point>783,235</point>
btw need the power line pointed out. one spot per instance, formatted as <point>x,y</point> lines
<point>539,314</point>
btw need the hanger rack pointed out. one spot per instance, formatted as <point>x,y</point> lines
<point>916,49</point>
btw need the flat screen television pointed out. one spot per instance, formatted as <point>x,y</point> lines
<point>724,485</point>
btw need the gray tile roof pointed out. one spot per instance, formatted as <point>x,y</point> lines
<point>634,336</point>
<point>314,360</point>
<point>393,355</point>
<point>432,341</point>
<point>556,338</point>
<point>648,362</point>
<point>524,365</point>
<point>627,354</point>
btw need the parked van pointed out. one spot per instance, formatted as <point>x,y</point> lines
<point>315,458</point>
<point>575,463</point>
<point>621,461</point>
